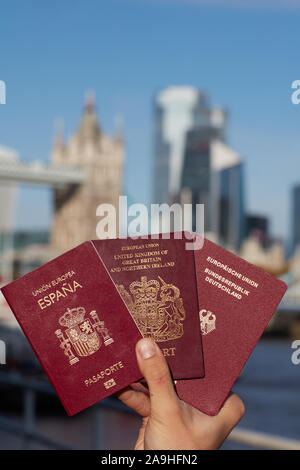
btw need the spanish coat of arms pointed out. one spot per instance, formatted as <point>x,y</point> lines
<point>84,336</point>
<point>156,307</point>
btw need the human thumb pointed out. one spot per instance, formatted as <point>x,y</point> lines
<point>155,369</point>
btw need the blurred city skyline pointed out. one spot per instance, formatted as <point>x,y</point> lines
<point>128,50</point>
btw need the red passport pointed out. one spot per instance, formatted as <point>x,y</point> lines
<point>236,302</point>
<point>156,278</point>
<point>78,326</point>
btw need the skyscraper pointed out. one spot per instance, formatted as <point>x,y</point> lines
<point>177,111</point>
<point>194,165</point>
<point>212,175</point>
<point>257,226</point>
<point>226,206</point>
<point>196,171</point>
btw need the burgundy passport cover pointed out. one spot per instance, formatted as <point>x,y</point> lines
<point>236,302</point>
<point>78,326</point>
<point>156,278</point>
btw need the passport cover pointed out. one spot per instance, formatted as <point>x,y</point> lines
<point>236,302</point>
<point>78,326</point>
<point>156,278</point>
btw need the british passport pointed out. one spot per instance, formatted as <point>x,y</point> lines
<point>156,278</point>
<point>236,302</point>
<point>78,326</point>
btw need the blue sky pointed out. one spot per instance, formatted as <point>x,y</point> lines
<point>244,54</point>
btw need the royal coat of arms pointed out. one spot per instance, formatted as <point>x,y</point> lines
<point>84,336</point>
<point>156,307</point>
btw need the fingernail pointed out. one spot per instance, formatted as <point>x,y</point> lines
<point>146,348</point>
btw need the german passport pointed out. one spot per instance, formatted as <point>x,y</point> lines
<point>78,326</point>
<point>236,302</point>
<point>156,278</point>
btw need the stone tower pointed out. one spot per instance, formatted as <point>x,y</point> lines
<point>101,158</point>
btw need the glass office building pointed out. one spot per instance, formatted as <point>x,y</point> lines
<point>177,110</point>
<point>196,171</point>
<point>213,174</point>
<point>193,164</point>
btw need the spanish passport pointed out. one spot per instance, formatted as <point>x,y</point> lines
<point>156,278</point>
<point>236,302</point>
<point>78,326</point>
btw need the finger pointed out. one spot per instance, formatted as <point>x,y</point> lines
<point>140,387</point>
<point>136,400</point>
<point>141,437</point>
<point>155,369</point>
<point>231,413</point>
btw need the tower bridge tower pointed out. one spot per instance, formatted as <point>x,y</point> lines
<point>101,159</point>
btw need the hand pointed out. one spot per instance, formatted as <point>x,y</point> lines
<point>168,422</point>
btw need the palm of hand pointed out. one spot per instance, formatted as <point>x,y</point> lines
<point>184,428</point>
